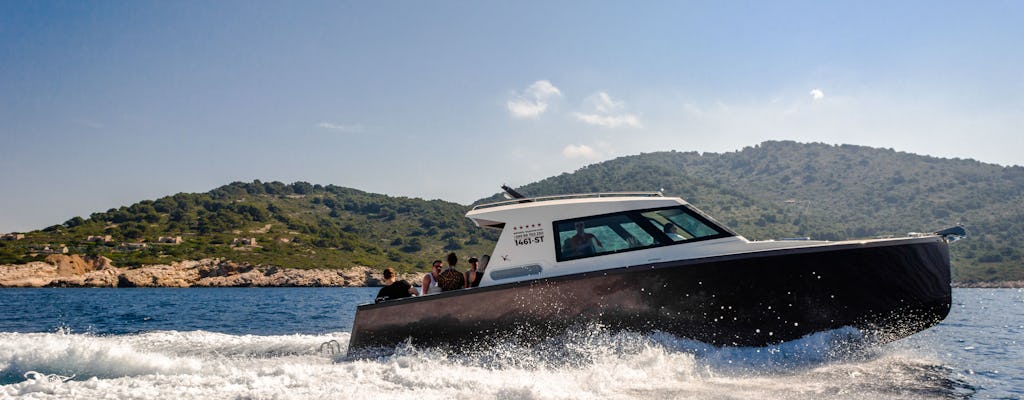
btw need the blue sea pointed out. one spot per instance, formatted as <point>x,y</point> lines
<point>269,343</point>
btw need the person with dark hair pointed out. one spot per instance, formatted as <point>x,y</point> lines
<point>672,231</point>
<point>451,278</point>
<point>473,276</point>
<point>430,279</point>
<point>394,289</point>
<point>582,244</point>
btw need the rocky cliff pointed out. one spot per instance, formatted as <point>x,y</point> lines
<point>78,271</point>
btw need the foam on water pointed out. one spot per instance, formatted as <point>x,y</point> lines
<point>587,364</point>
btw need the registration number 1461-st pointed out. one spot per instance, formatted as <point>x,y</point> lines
<point>529,240</point>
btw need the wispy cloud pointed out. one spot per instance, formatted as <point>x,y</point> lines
<point>817,94</point>
<point>609,121</point>
<point>607,112</point>
<point>604,103</point>
<point>533,101</point>
<point>353,128</point>
<point>577,151</point>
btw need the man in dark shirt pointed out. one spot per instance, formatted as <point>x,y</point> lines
<point>394,289</point>
<point>451,278</point>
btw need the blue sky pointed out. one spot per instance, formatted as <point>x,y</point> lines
<point>104,104</point>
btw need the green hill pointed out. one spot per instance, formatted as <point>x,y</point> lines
<point>298,225</point>
<point>772,190</point>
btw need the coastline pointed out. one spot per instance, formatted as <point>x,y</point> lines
<point>74,271</point>
<point>77,271</point>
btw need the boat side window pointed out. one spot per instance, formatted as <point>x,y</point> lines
<point>593,236</point>
<point>516,272</point>
<point>682,225</point>
<point>631,230</point>
<point>640,237</point>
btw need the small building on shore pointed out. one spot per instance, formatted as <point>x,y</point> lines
<point>244,242</point>
<point>99,239</point>
<point>169,239</point>
<point>12,236</point>
<point>132,246</point>
<point>47,249</point>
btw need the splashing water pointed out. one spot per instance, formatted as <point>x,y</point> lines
<point>269,347</point>
<point>589,363</point>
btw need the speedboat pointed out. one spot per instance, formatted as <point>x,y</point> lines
<point>645,262</point>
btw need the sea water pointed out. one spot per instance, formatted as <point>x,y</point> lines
<point>282,343</point>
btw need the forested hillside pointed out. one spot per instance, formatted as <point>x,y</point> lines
<point>298,225</point>
<point>772,190</point>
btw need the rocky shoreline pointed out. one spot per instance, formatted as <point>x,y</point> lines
<point>77,271</point>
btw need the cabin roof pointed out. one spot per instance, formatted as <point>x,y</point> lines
<point>550,208</point>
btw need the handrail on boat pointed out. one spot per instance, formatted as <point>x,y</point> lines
<point>330,348</point>
<point>568,196</point>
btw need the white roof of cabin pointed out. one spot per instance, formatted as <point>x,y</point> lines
<point>555,208</point>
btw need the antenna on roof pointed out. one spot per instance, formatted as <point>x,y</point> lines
<point>511,193</point>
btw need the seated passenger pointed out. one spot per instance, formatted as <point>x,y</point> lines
<point>582,244</point>
<point>672,231</point>
<point>430,279</point>
<point>394,289</point>
<point>473,276</point>
<point>451,278</point>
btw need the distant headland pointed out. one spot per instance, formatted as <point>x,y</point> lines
<point>59,270</point>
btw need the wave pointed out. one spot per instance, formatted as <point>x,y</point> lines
<point>587,363</point>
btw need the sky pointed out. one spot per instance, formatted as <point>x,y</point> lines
<point>108,103</point>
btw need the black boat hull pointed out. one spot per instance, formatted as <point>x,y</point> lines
<point>890,288</point>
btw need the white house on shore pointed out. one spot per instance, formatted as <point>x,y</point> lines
<point>169,239</point>
<point>12,236</point>
<point>59,249</point>
<point>244,242</point>
<point>131,246</point>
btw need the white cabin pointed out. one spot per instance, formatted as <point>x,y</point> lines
<point>560,235</point>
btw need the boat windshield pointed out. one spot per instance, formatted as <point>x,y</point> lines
<point>631,230</point>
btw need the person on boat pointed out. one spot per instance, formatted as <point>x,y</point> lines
<point>451,278</point>
<point>583,243</point>
<point>672,231</point>
<point>473,275</point>
<point>430,279</point>
<point>394,289</point>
